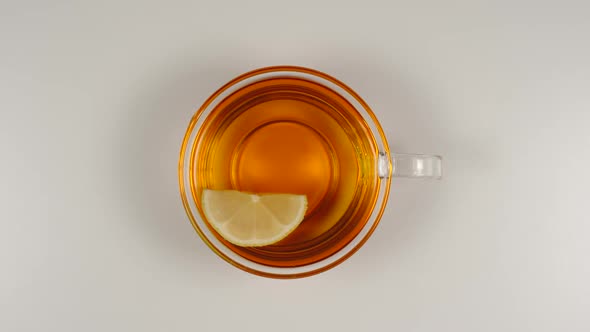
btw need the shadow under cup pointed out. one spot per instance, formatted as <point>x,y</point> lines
<point>289,130</point>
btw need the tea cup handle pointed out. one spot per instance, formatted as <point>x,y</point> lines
<point>410,166</point>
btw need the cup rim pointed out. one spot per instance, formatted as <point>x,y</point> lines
<point>186,182</point>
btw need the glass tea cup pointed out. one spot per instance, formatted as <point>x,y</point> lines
<point>294,130</point>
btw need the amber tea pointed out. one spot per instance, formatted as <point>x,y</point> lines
<point>292,135</point>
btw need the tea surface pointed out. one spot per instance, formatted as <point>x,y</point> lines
<point>289,135</point>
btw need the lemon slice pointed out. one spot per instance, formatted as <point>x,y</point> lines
<point>251,220</point>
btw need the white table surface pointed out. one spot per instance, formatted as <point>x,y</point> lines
<point>95,98</point>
